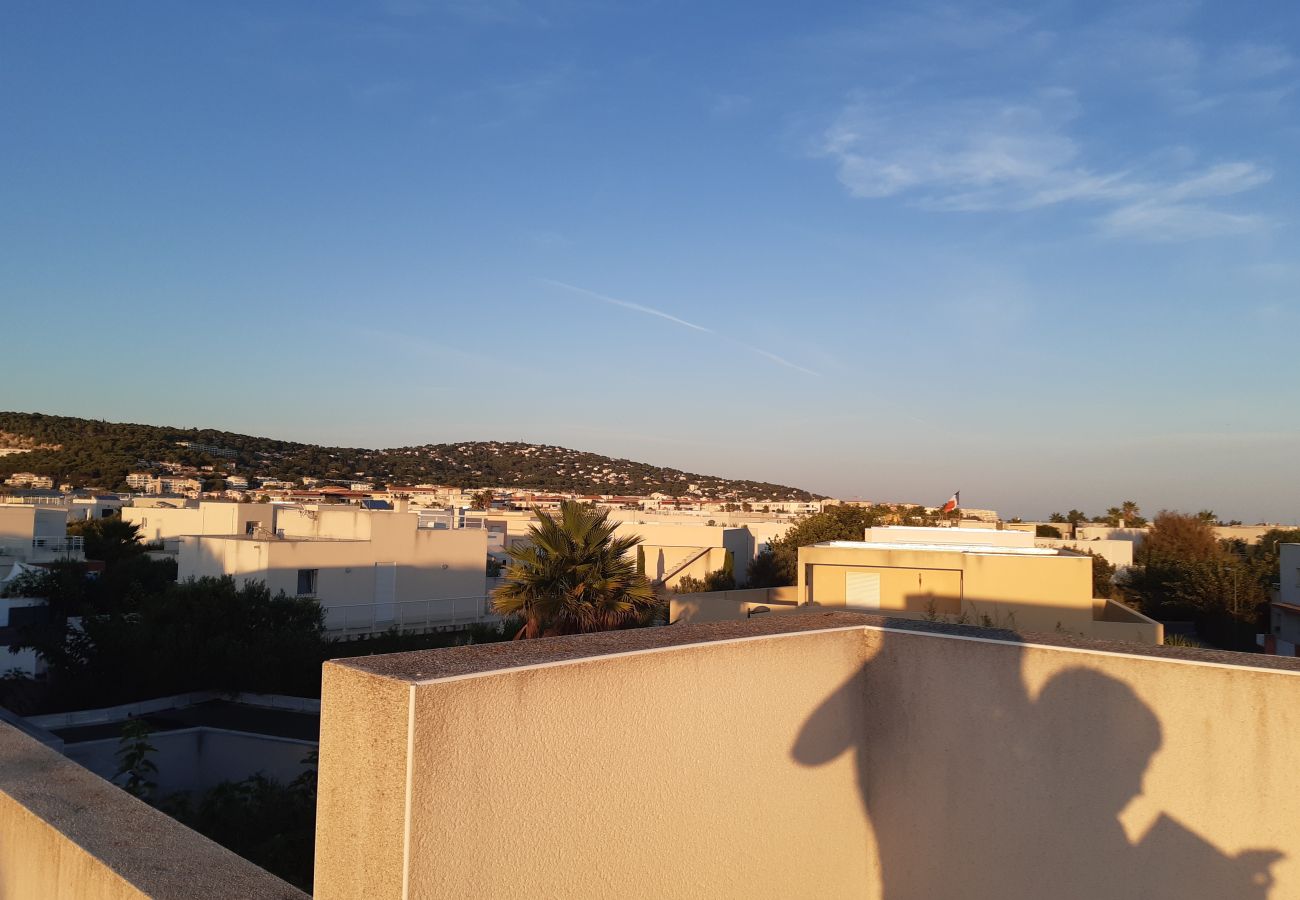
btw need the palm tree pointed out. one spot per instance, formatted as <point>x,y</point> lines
<point>1129,512</point>
<point>574,576</point>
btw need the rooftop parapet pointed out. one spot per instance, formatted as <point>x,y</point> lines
<point>828,755</point>
<point>69,833</point>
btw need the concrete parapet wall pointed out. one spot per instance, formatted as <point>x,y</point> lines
<point>66,834</point>
<point>818,755</point>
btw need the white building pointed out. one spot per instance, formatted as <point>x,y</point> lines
<point>1284,613</point>
<point>15,612</point>
<point>36,534</point>
<point>169,524</point>
<point>368,569</point>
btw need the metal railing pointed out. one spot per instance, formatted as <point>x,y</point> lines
<point>408,615</point>
<point>447,520</point>
<point>73,543</point>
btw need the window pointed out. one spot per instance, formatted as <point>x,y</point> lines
<point>307,581</point>
<point>251,528</point>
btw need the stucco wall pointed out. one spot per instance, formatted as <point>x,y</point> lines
<point>17,523</point>
<point>654,775</point>
<point>859,761</point>
<point>66,834</point>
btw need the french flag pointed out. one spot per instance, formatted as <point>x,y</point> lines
<point>953,502</point>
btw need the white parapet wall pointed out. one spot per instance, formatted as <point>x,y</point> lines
<point>808,756</point>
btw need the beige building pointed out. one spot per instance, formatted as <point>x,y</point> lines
<point>1024,588</point>
<point>671,552</point>
<point>369,570</point>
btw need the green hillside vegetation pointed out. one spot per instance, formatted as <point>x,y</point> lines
<point>92,453</point>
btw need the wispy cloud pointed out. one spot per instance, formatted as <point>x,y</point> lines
<point>659,313</point>
<point>994,154</point>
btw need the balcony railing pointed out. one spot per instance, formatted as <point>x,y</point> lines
<point>409,615</point>
<point>446,520</point>
<point>73,543</point>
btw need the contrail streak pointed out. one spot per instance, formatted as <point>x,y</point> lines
<point>627,305</point>
<point>651,311</point>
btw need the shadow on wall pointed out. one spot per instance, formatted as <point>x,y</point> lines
<point>985,793</point>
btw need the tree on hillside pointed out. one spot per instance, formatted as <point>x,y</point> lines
<point>574,575</point>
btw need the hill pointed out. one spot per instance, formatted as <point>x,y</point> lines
<point>89,452</point>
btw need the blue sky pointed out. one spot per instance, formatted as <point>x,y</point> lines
<point>1043,253</point>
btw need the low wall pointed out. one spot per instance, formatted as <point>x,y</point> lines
<point>727,606</point>
<point>67,833</point>
<point>827,755</point>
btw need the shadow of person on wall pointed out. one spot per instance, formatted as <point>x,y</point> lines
<point>977,791</point>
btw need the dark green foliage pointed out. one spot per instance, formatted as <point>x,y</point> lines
<point>200,635</point>
<point>395,641</point>
<point>103,453</point>
<point>264,821</point>
<point>765,571</point>
<point>777,567</point>
<point>135,768</point>
<point>689,584</point>
<point>1266,549</point>
<point>109,540</point>
<point>574,576</point>
<point>723,579</point>
<point>1183,573</point>
<point>1103,576</point>
<point>1047,531</point>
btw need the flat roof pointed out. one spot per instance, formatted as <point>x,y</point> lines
<point>225,714</point>
<point>943,548</point>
